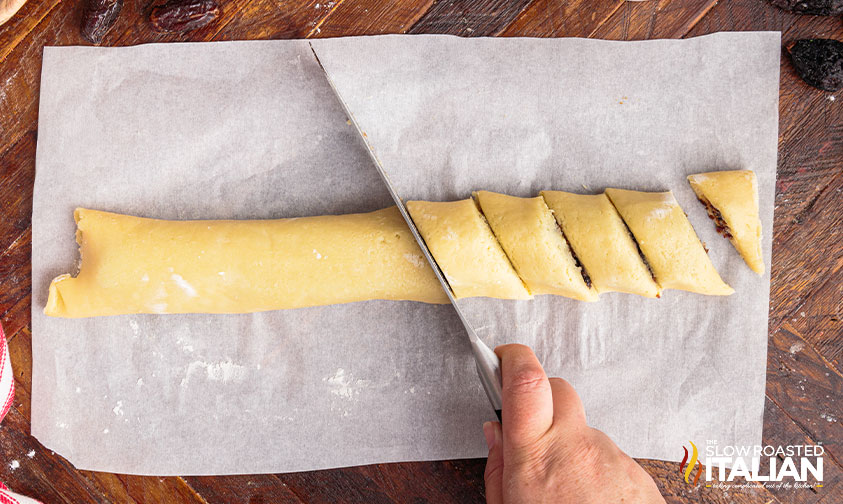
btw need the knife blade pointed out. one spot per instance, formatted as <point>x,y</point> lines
<point>487,363</point>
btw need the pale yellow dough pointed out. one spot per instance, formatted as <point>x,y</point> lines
<point>465,248</point>
<point>137,265</point>
<point>735,195</point>
<point>534,244</point>
<point>668,241</point>
<point>602,243</point>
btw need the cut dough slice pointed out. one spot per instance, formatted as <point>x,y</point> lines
<point>466,250</point>
<point>668,241</point>
<point>531,239</point>
<point>731,200</point>
<point>602,243</point>
<point>136,265</point>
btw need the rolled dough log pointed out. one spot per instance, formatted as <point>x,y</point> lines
<point>733,195</point>
<point>137,265</point>
<point>534,244</point>
<point>465,248</point>
<point>602,243</point>
<point>668,241</point>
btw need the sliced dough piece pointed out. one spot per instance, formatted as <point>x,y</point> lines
<point>136,265</point>
<point>466,250</point>
<point>534,244</point>
<point>602,243</point>
<point>731,200</point>
<point>668,241</point>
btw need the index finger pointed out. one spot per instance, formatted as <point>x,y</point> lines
<point>527,398</point>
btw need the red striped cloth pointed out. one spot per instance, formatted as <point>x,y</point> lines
<point>7,377</point>
<point>7,392</point>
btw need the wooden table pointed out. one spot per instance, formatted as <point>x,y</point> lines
<point>804,382</point>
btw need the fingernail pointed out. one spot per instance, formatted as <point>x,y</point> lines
<point>489,432</point>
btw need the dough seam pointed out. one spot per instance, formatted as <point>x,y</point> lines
<point>709,208</point>
<point>585,276</point>
<point>638,248</point>
<point>669,242</point>
<point>730,198</point>
<point>497,240</point>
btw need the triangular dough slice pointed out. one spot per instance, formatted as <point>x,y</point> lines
<point>602,243</point>
<point>668,241</point>
<point>531,238</point>
<point>731,199</point>
<point>466,250</point>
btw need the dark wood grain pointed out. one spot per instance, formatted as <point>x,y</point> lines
<point>371,17</point>
<point>654,19</point>
<point>18,174</point>
<point>21,24</point>
<point>781,430</point>
<point>552,18</point>
<point>469,18</point>
<point>804,387</point>
<point>50,478</point>
<point>804,379</point>
<point>251,489</point>
<point>386,483</point>
<point>269,19</point>
<point>16,282</point>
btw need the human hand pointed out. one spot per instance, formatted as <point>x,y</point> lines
<point>545,452</point>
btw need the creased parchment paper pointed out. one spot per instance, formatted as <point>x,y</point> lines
<point>253,130</point>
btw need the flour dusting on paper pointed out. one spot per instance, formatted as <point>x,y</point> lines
<point>344,385</point>
<point>186,346</point>
<point>222,371</point>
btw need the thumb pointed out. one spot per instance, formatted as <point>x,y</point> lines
<point>494,465</point>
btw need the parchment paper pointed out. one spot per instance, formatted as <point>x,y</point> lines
<point>447,116</point>
<point>252,130</point>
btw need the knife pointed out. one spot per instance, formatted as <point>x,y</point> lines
<point>486,361</point>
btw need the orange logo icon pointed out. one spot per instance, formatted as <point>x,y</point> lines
<point>686,471</point>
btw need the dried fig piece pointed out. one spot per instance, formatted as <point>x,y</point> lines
<point>98,17</point>
<point>177,16</point>
<point>816,7</point>
<point>819,62</point>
